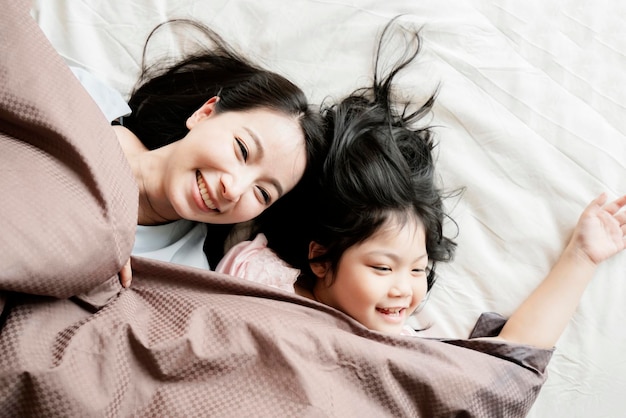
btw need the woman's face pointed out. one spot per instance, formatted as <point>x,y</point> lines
<point>380,281</point>
<point>231,166</point>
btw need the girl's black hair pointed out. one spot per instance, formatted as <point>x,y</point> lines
<point>379,164</point>
<point>166,96</point>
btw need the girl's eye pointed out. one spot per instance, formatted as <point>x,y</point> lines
<point>264,195</point>
<point>381,268</point>
<point>243,149</point>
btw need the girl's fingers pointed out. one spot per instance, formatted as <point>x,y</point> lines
<point>601,199</point>
<point>615,205</point>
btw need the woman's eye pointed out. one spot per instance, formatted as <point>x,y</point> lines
<point>419,270</point>
<point>264,195</point>
<point>381,268</point>
<point>243,149</point>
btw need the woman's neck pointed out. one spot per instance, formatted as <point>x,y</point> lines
<point>154,207</point>
<point>147,167</point>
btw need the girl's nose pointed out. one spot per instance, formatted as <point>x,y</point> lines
<point>401,286</point>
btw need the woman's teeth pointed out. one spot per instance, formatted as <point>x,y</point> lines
<point>203,192</point>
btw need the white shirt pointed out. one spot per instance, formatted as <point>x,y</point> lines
<point>178,242</point>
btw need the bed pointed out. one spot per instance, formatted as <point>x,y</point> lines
<point>530,121</point>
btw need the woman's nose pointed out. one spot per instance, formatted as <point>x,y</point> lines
<point>233,187</point>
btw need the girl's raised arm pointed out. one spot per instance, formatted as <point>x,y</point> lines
<point>542,317</point>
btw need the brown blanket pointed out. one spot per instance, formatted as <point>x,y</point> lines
<point>181,341</point>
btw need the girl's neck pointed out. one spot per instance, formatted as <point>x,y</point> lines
<point>304,292</point>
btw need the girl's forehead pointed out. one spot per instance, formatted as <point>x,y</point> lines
<point>396,221</point>
<point>404,228</point>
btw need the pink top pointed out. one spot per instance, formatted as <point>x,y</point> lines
<point>252,260</point>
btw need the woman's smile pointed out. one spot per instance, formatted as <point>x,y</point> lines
<point>206,203</point>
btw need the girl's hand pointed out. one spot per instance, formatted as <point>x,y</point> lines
<point>126,275</point>
<point>601,230</point>
<point>542,317</point>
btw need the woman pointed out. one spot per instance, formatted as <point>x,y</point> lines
<point>214,139</point>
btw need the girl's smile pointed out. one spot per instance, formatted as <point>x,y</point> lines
<point>393,315</point>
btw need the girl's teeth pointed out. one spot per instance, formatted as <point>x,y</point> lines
<point>394,312</point>
<point>203,192</point>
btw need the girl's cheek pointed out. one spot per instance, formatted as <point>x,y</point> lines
<point>418,296</point>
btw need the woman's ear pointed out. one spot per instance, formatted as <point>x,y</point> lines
<point>202,113</point>
<point>319,268</point>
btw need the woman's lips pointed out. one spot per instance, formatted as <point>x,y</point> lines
<point>204,193</point>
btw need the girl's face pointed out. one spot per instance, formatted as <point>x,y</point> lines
<point>233,165</point>
<point>382,280</point>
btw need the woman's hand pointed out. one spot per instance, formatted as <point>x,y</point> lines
<point>601,229</point>
<point>126,275</point>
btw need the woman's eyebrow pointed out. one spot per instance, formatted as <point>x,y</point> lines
<point>277,185</point>
<point>257,141</point>
<point>260,153</point>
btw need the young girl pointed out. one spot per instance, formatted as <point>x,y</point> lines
<point>376,225</point>
<point>212,140</point>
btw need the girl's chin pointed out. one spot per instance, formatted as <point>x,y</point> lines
<point>387,328</point>
<point>392,329</point>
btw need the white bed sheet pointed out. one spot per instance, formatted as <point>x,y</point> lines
<point>531,121</point>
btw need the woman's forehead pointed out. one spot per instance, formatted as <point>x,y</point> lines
<point>279,143</point>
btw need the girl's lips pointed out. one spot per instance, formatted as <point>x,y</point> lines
<point>394,315</point>
<point>207,203</point>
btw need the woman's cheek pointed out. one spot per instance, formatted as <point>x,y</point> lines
<point>248,208</point>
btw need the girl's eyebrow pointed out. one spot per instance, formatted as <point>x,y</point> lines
<point>260,154</point>
<point>395,257</point>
